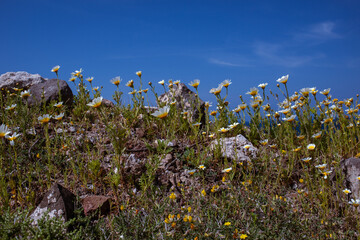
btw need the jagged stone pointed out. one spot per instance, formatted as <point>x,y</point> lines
<point>94,203</point>
<point>107,103</point>
<point>51,92</point>
<point>233,148</point>
<point>57,202</point>
<point>351,168</point>
<point>23,80</point>
<point>186,100</point>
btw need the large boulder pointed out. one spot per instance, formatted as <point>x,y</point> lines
<point>351,168</point>
<point>186,100</point>
<point>235,148</point>
<point>25,80</point>
<point>57,202</point>
<point>51,92</point>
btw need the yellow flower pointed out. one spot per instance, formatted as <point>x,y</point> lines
<point>187,218</point>
<point>96,89</point>
<point>58,105</point>
<point>305,91</point>
<point>227,224</point>
<point>226,170</point>
<point>283,79</point>
<point>44,118</point>
<point>238,109</point>
<point>307,159</point>
<point>59,117</point>
<point>130,83</point>
<point>242,106</point>
<point>264,142</point>
<point>216,91</point>
<point>285,111</point>
<point>139,73</point>
<point>162,112</point>
<point>325,91</point>
<point>355,202</point>
<point>311,146</point>
<point>346,191</point>
<point>289,119</point>
<point>243,236</point>
<point>215,188</point>
<point>300,137</point>
<point>172,196</point>
<point>96,102</point>
<point>327,120</point>
<point>25,94</point>
<point>12,138</point>
<point>201,167</point>
<point>197,124</point>
<point>266,107</point>
<point>195,83</point>
<point>297,149</point>
<point>226,83</point>
<point>77,73</point>
<point>321,167</point>
<point>253,91</point>
<point>203,192</point>
<point>247,146</point>
<point>213,113</point>
<point>72,79</point>
<point>89,79</point>
<point>212,135</point>
<point>10,108</point>
<point>132,92</point>
<point>116,80</point>
<point>317,135</point>
<point>55,69</point>
<point>223,130</point>
<point>262,85</point>
<point>162,82</point>
<point>254,104</point>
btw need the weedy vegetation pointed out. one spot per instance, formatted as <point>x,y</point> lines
<point>293,189</point>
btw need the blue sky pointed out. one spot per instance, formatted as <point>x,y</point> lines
<point>250,42</point>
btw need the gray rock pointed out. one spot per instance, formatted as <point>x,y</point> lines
<point>57,202</point>
<point>233,148</point>
<point>51,92</point>
<point>25,80</point>
<point>351,168</point>
<point>107,103</point>
<point>185,101</point>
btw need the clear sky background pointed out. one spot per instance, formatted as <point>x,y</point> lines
<point>250,42</point>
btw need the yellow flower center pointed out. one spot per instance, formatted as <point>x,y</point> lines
<point>163,115</point>
<point>45,120</point>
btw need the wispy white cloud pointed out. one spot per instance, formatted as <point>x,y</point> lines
<point>319,31</point>
<point>276,54</point>
<point>226,63</point>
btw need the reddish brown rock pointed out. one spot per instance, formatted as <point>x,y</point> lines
<point>92,203</point>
